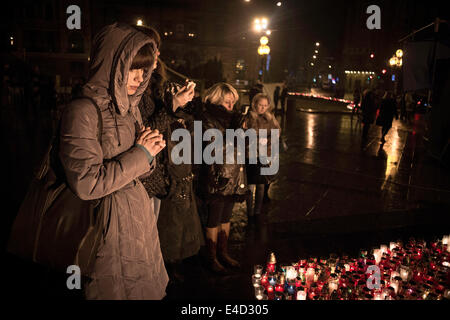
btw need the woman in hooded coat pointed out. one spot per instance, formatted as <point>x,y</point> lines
<point>129,263</point>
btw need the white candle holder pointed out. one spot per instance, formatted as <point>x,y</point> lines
<point>256,280</point>
<point>291,273</point>
<point>301,295</point>
<point>258,269</point>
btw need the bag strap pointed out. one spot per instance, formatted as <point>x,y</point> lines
<point>100,118</point>
<point>52,158</point>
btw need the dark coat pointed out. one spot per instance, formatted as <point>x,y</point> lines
<point>368,107</point>
<point>129,263</point>
<point>276,93</point>
<point>256,121</point>
<point>179,226</point>
<point>224,181</point>
<point>388,111</point>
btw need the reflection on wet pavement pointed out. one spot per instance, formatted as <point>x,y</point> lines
<point>324,173</point>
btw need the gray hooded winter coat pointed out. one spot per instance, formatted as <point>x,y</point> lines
<point>129,262</point>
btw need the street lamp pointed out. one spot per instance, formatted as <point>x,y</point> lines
<point>396,62</point>
<point>260,24</point>
<point>263,51</point>
<point>317,44</point>
<point>393,61</point>
<point>139,22</point>
<point>264,40</point>
<point>264,23</point>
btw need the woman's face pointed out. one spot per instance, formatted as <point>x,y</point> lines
<point>262,105</point>
<point>228,102</point>
<point>135,78</point>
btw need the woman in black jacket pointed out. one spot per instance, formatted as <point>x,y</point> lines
<point>164,108</point>
<point>220,184</point>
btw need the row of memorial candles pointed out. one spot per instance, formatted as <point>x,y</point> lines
<point>413,271</point>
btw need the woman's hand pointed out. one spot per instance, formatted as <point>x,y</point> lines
<point>182,97</point>
<point>152,140</point>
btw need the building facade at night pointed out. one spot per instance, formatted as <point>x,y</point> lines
<point>36,32</point>
<point>200,38</point>
<point>367,50</point>
<point>195,35</point>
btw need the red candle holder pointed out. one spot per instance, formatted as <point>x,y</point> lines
<point>271,267</point>
<point>270,292</point>
<point>279,288</point>
<point>265,280</point>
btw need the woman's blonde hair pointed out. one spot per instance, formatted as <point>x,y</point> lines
<point>259,97</point>
<point>216,94</point>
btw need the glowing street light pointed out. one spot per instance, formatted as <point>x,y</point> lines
<point>268,32</point>
<point>317,44</point>
<point>263,50</point>
<point>399,53</point>
<point>264,40</point>
<point>139,22</point>
<point>316,51</point>
<point>264,23</point>
<point>314,57</point>
<point>260,24</point>
<point>393,61</point>
<point>278,4</point>
<point>396,61</point>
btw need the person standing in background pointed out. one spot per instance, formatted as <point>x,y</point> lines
<point>276,98</point>
<point>388,110</point>
<point>284,93</point>
<point>368,109</point>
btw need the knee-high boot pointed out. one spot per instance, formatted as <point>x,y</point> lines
<point>223,250</point>
<point>211,252</point>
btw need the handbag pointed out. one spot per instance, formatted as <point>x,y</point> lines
<point>54,227</point>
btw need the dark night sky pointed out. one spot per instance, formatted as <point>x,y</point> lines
<point>308,20</point>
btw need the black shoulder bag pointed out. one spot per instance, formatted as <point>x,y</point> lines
<point>54,227</point>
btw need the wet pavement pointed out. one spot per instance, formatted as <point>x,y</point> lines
<point>331,196</point>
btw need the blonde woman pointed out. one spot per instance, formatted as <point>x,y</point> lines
<point>220,185</point>
<point>260,117</point>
